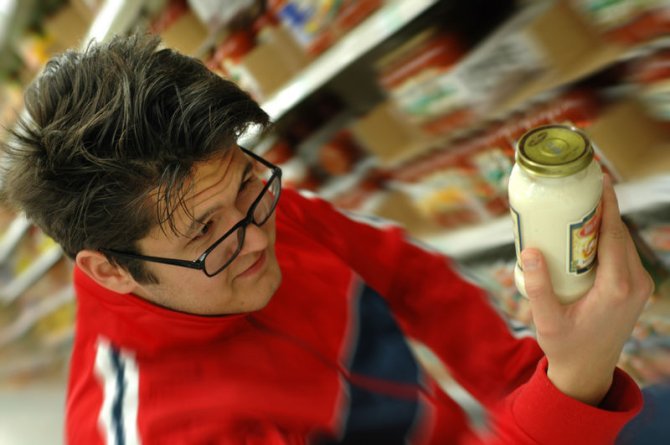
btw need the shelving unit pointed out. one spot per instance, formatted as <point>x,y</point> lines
<point>119,16</point>
<point>44,353</point>
<point>373,31</point>
<point>634,196</point>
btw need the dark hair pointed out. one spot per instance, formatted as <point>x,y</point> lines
<point>109,142</point>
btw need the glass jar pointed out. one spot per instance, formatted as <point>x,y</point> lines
<point>554,194</point>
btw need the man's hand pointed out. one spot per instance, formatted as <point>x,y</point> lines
<point>583,340</point>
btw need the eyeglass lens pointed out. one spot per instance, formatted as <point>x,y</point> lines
<point>231,246</point>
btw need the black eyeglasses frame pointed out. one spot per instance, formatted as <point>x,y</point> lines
<point>199,263</point>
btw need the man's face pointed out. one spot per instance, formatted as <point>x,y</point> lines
<point>222,192</point>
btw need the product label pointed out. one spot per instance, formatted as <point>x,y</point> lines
<point>433,92</point>
<point>518,242</point>
<point>583,243</point>
<point>657,99</point>
<point>495,70</point>
<point>610,14</point>
<point>495,166</point>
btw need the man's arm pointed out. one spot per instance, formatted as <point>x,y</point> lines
<point>434,304</point>
<point>583,341</point>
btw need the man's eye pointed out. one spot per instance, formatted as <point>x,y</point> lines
<point>204,230</point>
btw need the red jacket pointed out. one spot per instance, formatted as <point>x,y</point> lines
<point>327,360</point>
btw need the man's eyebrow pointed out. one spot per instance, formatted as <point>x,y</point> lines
<point>200,220</point>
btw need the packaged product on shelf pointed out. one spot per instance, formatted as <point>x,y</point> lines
<point>180,28</point>
<point>173,10</point>
<point>497,277</point>
<point>236,13</point>
<point>647,354</point>
<point>652,74</point>
<point>298,175</point>
<point>274,60</point>
<point>228,55</point>
<point>384,133</point>
<point>317,24</point>
<point>357,197</point>
<point>650,230</point>
<point>448,190</point>
<point>627,21</point>
<point>280,152</point>
<point>493,157</point>
<point>574,107</point>
<point>658,237</point>
<point>339,155</point>
<point>544,46</point>
<point>66,28</point>
<point>635,145</point>
<point>417,76</point>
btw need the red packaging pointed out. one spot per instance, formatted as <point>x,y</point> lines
<point>339,155</point>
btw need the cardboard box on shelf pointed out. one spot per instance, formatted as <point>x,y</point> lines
<point>385,134</point>
<point>545,46</point>
<point>397,206</point>
<point>564,37</point>
<point>87,8</point>
<point>635,145</point>
<point>272,63</point>
<point>66,28</point>
<point>186,34</point>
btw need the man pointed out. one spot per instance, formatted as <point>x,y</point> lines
<point>212,311</point>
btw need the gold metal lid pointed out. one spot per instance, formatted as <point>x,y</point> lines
<point>554,151</point>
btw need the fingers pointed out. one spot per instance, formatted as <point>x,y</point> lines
<point>642,283</point>
<point>544,304</point>
<point>620,272</point>
<point>613,237</point>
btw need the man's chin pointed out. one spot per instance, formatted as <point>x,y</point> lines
<point>274,281</point>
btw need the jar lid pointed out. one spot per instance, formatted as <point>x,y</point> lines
<point>554,151</point>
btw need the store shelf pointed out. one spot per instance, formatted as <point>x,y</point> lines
<point>115,17</point>
<point>545,83</point>
<point>369,34</point>
<point>633,197</point>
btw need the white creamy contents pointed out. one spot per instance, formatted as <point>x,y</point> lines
<point>560,217</point>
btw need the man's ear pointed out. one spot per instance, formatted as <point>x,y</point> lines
<point>108,275</point>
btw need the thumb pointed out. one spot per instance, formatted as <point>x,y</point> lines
<point>544,304</point>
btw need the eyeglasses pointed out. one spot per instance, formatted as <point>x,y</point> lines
<point>224,250</point>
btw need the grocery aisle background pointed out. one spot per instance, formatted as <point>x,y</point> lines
<point>406,109</point>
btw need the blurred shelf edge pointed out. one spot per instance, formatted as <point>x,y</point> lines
<point>114,17</point>
<point>12,236</point>
<point>392,17</point>
<point>31,275</point>
<point>33,314</point>
<point>633,197</point>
